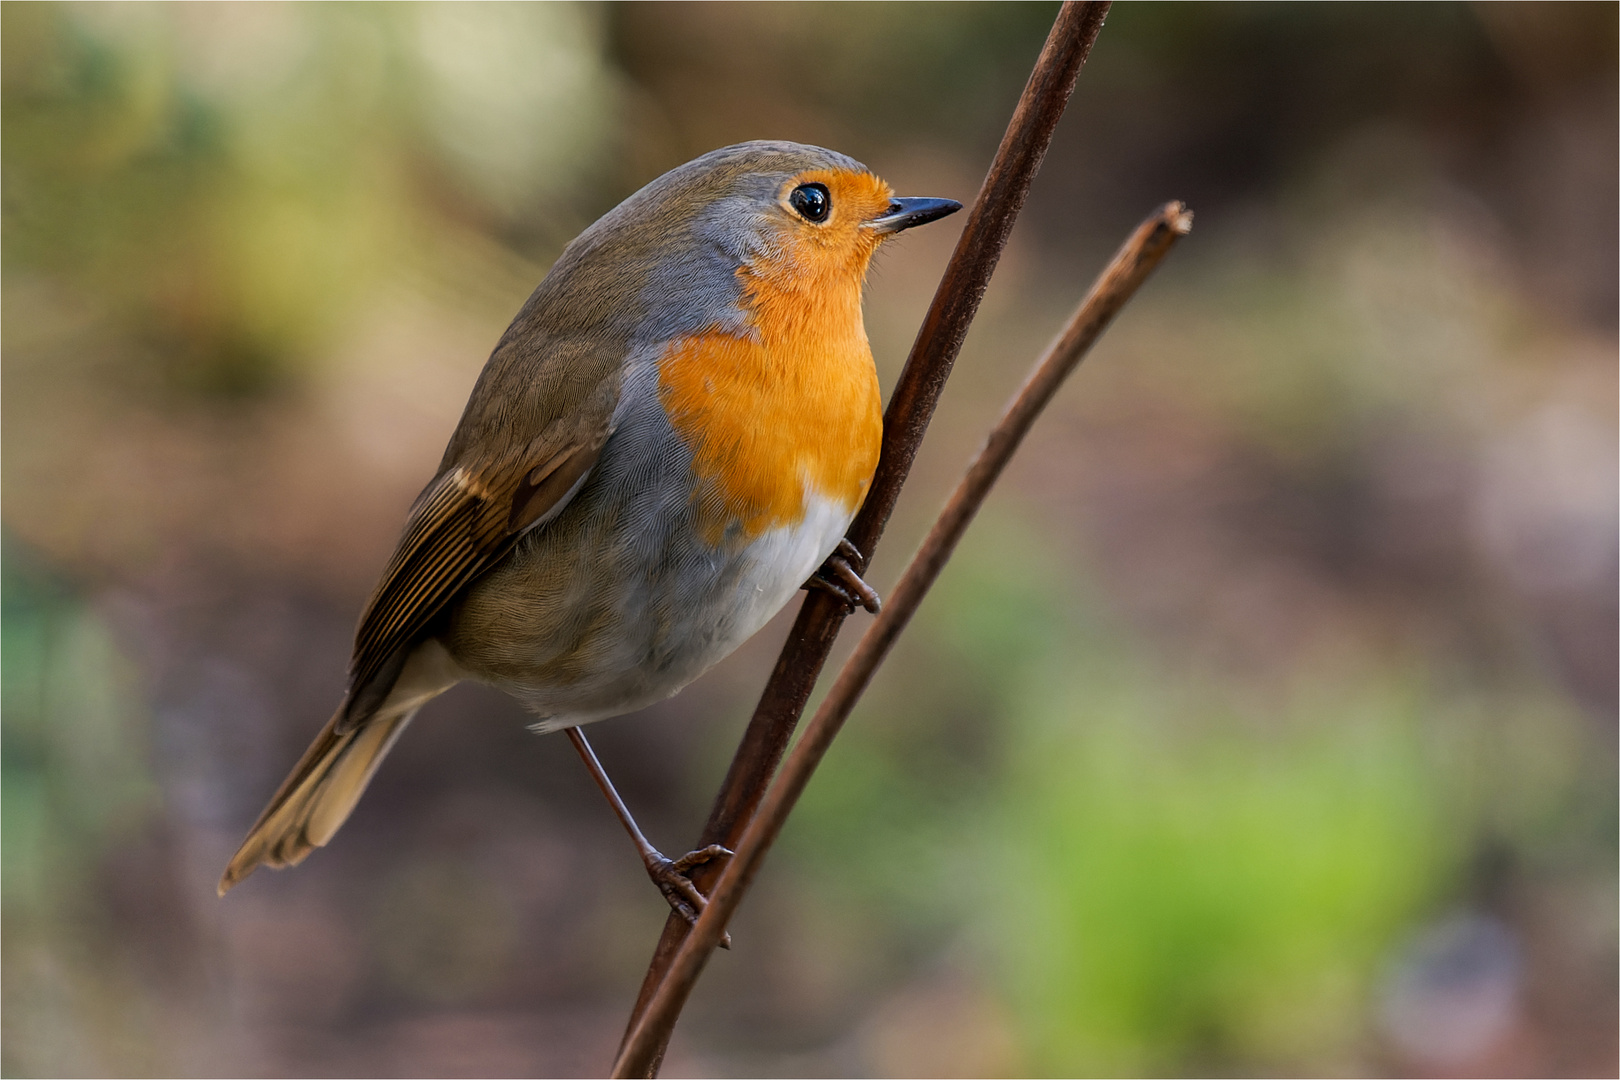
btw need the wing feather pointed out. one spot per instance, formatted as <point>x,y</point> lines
<point>460,526</point>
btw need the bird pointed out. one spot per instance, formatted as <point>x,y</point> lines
<point>669,440</point>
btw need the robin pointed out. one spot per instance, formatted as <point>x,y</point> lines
<point>671,437</point>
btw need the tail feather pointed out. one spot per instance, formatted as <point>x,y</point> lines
<point>318,796</point>
<point>320,792</point>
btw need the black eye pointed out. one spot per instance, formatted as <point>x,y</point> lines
<point>812,201</point>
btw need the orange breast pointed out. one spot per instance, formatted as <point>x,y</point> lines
<point>790,409</point>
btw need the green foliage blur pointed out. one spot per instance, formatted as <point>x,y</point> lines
<point>1265,722</point>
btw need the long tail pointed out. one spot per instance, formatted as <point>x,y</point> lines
<point>317,797</point>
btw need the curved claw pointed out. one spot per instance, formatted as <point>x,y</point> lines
<point>670,875</point>
<point>838,576</point>
<point>702,856</point>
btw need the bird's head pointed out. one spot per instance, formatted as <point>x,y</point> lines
<point>798,216</point>
<point>697,246</point>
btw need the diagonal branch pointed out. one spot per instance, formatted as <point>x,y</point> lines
<point>939,340</point>
<point>1117,284</point>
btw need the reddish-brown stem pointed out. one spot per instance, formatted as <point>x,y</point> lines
<point>1129,268</point>
<point>911,407</point>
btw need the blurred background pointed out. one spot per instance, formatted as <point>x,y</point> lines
<point>1265,724</point>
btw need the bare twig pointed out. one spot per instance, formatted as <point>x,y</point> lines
<point>912,406</point>
<point>1130,267</point>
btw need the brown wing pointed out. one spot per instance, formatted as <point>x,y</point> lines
<point>460,526</point>
<point>532,430</point>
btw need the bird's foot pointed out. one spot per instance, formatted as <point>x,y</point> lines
<point>673,878</point>
<point>839,577</point>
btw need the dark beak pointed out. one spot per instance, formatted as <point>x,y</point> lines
<point>904,213</point>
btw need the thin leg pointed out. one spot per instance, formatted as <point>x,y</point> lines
<point>670,875</point>
<point>838,576</point>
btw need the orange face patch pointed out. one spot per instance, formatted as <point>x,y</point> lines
<point>792,407</point>
<point>817,255</point>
